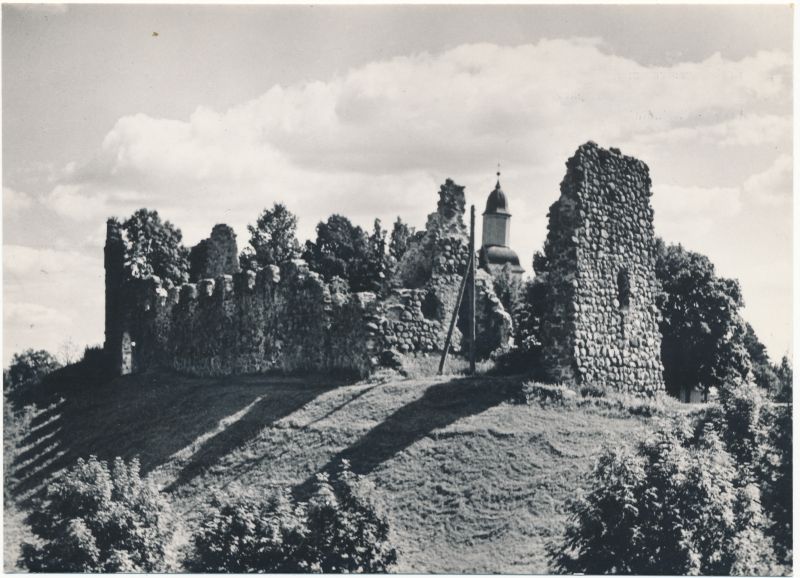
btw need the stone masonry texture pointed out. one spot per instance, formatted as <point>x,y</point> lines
<point>600,325</point>
<point>237,322</point>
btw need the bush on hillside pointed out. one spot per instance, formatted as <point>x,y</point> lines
<point>713,523</point>
<point>336,530</point>
<point>28,368</point>
<point>345,532</point>
<point>248,535</point>
<point>96,519</point>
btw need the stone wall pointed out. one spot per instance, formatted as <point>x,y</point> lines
<point>425,283</point>
<point>601,322</point>
<point>250,322</point>
<point>291,319</point>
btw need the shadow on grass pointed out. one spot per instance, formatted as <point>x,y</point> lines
<point>441,405</point>
<point>149,416</point>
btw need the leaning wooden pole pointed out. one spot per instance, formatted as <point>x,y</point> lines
<point>455,315</point>
<point>471,283</point>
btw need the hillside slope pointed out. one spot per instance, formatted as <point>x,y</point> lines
<point>469,481</point>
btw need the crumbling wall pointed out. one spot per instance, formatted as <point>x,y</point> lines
<point>252,322</point>
<point>291,319</point>
<point>601,322</point>
<point>425,283</point>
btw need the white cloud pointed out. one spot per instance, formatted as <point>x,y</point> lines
<point>16,201</point>
<point>774,185</point>
<point>50,296</point>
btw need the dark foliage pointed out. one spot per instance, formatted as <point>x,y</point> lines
<point>676,506</point>
<point>336,530</point>
<point>702,333</point>
<point>378,261</point>
<point>399,240</point>
<point>343,250</point>
<point>248,535</point>
<point>98,520</point>
<point>526,355</point>
<point>154,247</point>
<point>273,240</point>
<point>28,368</point>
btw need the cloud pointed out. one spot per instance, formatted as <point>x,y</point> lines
<point>450,111</point>
<point>774,185</point>
<point>16,201</point>
<point>49,296</point>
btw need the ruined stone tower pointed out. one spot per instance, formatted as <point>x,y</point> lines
<point>601,323</point>
<point>495,253</point>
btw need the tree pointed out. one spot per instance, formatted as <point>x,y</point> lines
<point>336,530</point>
<point>702,333</point>
<point>378,260</point>
<point>29,367</point>
<point>273,240</point>
<point>248,535</point>
<point>676,506</point>
<point>399,240</point>
<point>341,250</point>
<point>346,533</point>
<point>154,247</point>
<point>765,373</point>
<point>785,377</point>
<point>93,519</point>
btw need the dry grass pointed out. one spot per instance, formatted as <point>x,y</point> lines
<point>470,481</point>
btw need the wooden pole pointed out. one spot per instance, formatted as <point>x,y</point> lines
<point>472,290</point>
<point>455,315</point>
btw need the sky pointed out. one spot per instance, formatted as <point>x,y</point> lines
<point>210,114</point>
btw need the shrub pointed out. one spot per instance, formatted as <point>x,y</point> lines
<point>336,530</point>
<point>592,391</point>
<point>544,394</point>
<point>98,520</point>
<point>346,533</point>
<point>774,470</point>
<point>28,368</point>
<point>247,535</point>
<point>676,506</point>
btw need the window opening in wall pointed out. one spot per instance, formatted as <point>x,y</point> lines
<point>432,307</point>
<point>624,288</point>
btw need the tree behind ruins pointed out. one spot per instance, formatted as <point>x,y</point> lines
<point>154,247</point>
<point>273,239</point>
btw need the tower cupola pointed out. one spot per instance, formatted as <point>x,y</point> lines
<point>495,253</point>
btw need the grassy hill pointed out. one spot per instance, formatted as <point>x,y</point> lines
<point>469,481</point>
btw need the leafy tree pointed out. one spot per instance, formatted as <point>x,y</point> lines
<point>29,367</point>
<point>98,520</point>
<point>676,506</point>
<point>785,377</point>
<point>774,472</point>
<point>346,533</point>
<point>399,240</point>
<point>336,530</point>
<point>247,535</point>
<point>154,247</point>
<point>510,289</point>
<point>702,333</point>
<point>341,250</point>
<point>765,373</point>
<point>378,260</point>
<point>273,240</point>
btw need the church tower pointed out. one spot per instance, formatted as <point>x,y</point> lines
<point>495,254</point>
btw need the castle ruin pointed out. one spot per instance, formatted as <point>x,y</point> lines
<point>600,326</point>
<point>287,319</point>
